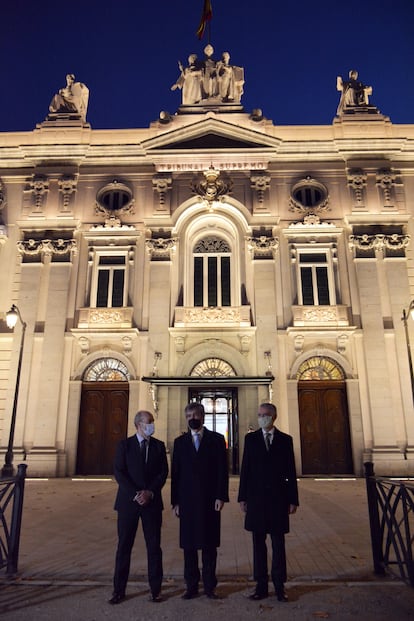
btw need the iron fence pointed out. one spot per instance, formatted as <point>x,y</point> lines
<point>391,516</point>
<point>11,509</point>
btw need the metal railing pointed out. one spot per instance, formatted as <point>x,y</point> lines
<point>391,516</point>
<point>11,510</point>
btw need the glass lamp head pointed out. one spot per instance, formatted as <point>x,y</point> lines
<point>12,317</point>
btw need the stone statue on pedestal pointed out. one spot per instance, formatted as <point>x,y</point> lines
<point>72,99</point>
<point>354,93</point>
<point>209,81</point>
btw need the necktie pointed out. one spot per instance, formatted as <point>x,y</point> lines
<point>267,440</point>
<point>143,447</point>
<point>196,441</point>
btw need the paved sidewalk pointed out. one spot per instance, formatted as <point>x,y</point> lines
<point>69,539</point>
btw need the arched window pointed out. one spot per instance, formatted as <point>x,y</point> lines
<point>212,367</point>
<point>106,370</point>
<point>320,368</point>
<point>212,256</point>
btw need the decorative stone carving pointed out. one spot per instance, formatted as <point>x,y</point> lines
<point>212,245</point>
<point>211,315</point>
<point>385,181</point>
<point>209,81</point>
<point>319,314</point>
<point>260,183</point>
<point>84,345</point>
<point>39,186</point>
<point>354,94</point>
<point>160,248</point>
<point>357,180</point>
<point>263,247</point>
<point>212,186</point>
<point>180,345</point>
<point>47,247</point>
<point>378,242</point>
<point>298,343</point>
<point>245,342</point>
<point>67,187</point>
<point>162,184</point>
<point>127,345</point>
<point>105,315</point>
<point>341,343</point>
<point>72,99</point>
<point>268,357</point>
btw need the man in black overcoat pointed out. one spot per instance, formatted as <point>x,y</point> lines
<point>199,489</point>
<point>268,493</point>
<point>141,470</point>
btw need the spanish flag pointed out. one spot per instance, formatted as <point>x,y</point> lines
<point>205,17</point>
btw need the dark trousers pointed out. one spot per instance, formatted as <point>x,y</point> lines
<point>278,571</point>
<point>127,529</point>
<point>192,572</point>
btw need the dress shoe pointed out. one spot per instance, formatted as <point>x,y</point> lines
<point>189,594</point>
<point>116,598</point>
<point>281,595</point>
<point>257,595</point>
<point>211,595</point>
<point>156,598</point>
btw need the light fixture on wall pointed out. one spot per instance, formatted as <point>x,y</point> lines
<point>11,319</point>
<point>404,318</point>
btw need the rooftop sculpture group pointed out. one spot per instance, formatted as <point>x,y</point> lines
<point>72,99</point>
<point>207,82</point>
<point>210,81</point>
<point>354,93</point>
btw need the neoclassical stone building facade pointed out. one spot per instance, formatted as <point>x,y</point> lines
<point>214,256</point>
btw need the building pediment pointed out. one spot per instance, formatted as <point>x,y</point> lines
<point>211,134</point>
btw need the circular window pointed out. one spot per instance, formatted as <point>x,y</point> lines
<point>114,197</point>
<point>309,194</point>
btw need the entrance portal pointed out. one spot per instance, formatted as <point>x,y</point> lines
<point>102,424</point>
<point>323,416</point>
<point>222,416</point>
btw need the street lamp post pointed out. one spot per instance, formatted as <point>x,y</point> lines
<point>406,313</point>
<point>11,319</point>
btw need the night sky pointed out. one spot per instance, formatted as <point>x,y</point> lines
<point>126,52</point>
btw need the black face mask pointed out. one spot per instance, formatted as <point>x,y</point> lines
<point>194,423</point>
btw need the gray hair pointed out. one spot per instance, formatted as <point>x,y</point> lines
<point>270,408</point>
<point>139,416</point>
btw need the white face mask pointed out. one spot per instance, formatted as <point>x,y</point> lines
<point>149,429</point>
<point>264,421</point>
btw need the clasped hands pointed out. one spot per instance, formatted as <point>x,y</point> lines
<point>143,497</point>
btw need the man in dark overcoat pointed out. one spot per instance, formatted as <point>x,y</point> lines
<point>199,489</point>
<point>141,470</point>
<point>268,493</point>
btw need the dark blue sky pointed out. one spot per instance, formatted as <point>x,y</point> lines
<point>126,52</point>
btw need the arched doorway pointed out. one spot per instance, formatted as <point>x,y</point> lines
<point>103,415</point>
<point>220,405</point>
<point>323,416</point>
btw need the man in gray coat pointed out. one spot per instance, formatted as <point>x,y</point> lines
<point>268,493</point>
<point>199,489</point>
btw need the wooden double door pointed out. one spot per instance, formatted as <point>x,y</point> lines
<point>324,428</point>
<point>103,422</point>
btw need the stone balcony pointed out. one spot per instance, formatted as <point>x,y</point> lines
<point>198,317</point>
<point>105,318</point>
<point>320,316</point>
